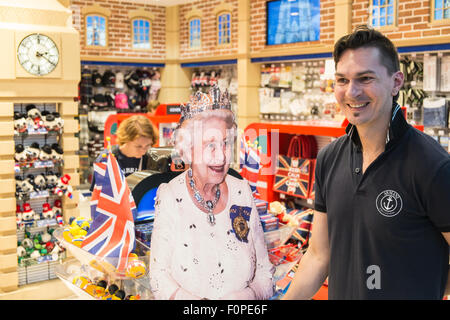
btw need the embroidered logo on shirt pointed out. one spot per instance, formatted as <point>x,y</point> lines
<point>239,217</point>
<point>389,203</point>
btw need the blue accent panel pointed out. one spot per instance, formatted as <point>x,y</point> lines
<point>208,63</point>
<point>424,48</point>
<point>293,57</point>
<point>127,64</point>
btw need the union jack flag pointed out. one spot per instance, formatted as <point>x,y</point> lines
<point>249,157</point>
<point>304,220</point>
<point>111,235</point>
<point>293,176</point>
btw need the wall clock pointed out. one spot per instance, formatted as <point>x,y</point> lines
<point>38,54</point>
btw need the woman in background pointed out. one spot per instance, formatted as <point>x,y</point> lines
<point>135,136</point>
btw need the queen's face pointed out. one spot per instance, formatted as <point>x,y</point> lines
<point>212,150</point>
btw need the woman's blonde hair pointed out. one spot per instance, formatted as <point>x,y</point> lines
<point>134,127</point>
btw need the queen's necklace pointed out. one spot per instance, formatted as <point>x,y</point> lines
<point>208,204</point>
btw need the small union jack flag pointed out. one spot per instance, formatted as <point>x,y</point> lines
<point>249,158</point>
<point>305,220</point>
<point>112,234</point>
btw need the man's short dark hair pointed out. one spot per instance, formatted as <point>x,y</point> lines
<point>365,37</point>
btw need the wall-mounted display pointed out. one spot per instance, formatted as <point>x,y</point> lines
<point>292,21</point>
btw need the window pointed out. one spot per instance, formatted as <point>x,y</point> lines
<point>383,13</point>
<point>195,33</point>
<point>141,34</point>
<point>96,30</point>
<point>224,29</point>
<point>441,9</point>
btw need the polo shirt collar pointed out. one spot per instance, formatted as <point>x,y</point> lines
<point>397,127</point>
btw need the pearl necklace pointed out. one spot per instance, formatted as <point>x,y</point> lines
<point>208,204</point>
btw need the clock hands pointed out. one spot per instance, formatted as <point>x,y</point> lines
<point>42,55</point>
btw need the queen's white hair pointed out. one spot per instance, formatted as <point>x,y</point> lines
<point>184,135</point>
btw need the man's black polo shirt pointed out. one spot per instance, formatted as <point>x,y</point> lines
<point>385,225</point>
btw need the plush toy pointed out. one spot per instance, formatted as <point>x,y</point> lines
<point>34,117</point>
<point>33,151</point>
<point>20,122</point>
<point>27,243</point>
<point>45,153</point>
<point>24,185</point>
<point>20,154</point>
<point>48,121</point>
<point>28,214</point>
<point>47,212</point>
<point>19,217</point>
<point>39,182</point>
<point>21,252</point>
<point>59,122</point>
<point>35,254</point>
<point>57,152</point>
<point>63,187</point>
<point>277,209</point>
<point>57,207</point>
<point>46,237</point>
<point>51,179</point>
<point>30,180</point>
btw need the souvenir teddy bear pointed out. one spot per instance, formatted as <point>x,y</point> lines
<point>20,122</point>
<point>20,154</point>
<point>63,187</point>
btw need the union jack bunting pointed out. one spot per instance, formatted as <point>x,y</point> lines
<point>250,163</point>
<point>304,220</point>
<point>111,235</point>
<point>293,176</point>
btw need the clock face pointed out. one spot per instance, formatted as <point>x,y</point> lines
<point>38,54</point>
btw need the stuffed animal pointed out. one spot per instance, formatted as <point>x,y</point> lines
<point>49,121</point>
<point>18,216</point>
<point>57,152</point>
<point>47,212</point>
<point>20,122</point>
<point>57,206</point>
<point>28,214</point>
<point>30,179</point>
<point>45,153</point>
<point>21,252</point>
<point>63,187</point>
<point>19,191</point>
<point>33,151</point>
<point>46,237</point>
<point>51,179</point>
<point>34,116</point>
<point>277,209</point>
<point>39,182</point>
<point>20,154</point>
<point>24,185</point>
<point>59,122</point>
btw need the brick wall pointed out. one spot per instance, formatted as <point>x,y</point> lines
<point>119,30</point>
<point>413,20</point>
<point>208,30</point>
<point>258,26</point>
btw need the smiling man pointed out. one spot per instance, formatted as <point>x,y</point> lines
<point>382,218</point>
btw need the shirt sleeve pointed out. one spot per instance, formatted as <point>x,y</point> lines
<point>438,198</point>
<point>262,285</point>
<point>163,286</point>
<point>319,201</point>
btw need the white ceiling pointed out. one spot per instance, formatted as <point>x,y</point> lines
<point>165,3</point>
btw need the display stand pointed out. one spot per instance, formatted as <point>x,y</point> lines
<point>88,266</point>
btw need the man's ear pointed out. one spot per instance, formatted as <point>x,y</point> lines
<point>398,82</point>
